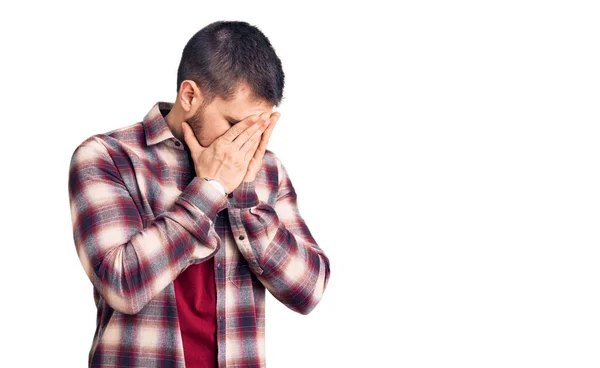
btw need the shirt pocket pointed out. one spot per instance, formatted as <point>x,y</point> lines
<point>239,274</point>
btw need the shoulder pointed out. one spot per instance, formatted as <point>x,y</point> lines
<point>132,134</point>
<point>273,163</point>
<point>280,179</point>
<point>106,144</point>
<point>90,148</point>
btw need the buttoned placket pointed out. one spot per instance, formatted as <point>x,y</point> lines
<point>242,240</point>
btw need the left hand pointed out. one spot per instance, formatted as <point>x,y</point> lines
<point>256,161</point>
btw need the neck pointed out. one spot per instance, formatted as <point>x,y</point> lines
<point>174,119</point>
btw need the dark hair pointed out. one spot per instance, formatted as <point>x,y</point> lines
<point>225,53</point>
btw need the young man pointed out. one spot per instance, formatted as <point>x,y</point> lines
<point>182,220</point>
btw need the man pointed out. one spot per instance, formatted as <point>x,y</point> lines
<point>182,220</point>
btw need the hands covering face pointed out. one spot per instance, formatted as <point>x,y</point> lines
<point>235,156</point>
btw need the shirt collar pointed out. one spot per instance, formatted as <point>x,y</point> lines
<point>155,125</point>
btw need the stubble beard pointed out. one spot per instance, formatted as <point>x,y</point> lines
<point>196,122</point>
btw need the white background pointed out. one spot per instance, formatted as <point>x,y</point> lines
<point>445,156</point>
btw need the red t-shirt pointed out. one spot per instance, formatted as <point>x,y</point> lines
<point>196,295</point>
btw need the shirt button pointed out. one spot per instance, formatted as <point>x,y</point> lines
<point>219,266</point>
<point>230,195</point>
<point>242,237</point>
<point>177,143</point>
<point>221,318</point>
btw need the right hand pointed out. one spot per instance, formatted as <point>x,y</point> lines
<point>228,156</point>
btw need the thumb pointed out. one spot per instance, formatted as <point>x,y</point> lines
<point>190,139</point>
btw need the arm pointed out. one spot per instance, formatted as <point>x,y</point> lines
<point>278,245</point>
<point>127,263</point>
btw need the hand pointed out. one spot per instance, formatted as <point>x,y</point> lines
<point>228,156</point>
<point>256,161</point>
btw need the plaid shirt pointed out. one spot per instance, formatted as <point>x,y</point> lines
<point>141,217</point>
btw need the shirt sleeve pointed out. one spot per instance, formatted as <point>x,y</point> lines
<point>278,245</point>
<point>127,261</point>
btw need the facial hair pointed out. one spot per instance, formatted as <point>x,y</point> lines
<point>196,122</point>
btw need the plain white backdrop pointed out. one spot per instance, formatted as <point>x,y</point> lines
<point>445,155</point>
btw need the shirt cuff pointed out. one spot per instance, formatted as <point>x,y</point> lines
<point>217,184</point>
<point>244,196</point>
<point>205,196</point>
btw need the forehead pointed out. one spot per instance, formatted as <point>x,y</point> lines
<point>243,104</point>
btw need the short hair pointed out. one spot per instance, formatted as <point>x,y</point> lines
<point>225,53</point>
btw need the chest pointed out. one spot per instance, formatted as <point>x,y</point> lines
<point>155,180</point>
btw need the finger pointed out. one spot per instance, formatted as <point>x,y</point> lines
<point>252,132</point>
<point>262,148</point>
<point>238,128</point>
<point>249,148</point>
<point>190,138</point>
<point>275,115</point>
<point>275,118</point>
<point>251,152</point>
<point>267,134</point>
<point>258,148</point>
<point>251,143</point>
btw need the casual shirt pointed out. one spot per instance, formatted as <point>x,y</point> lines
<point>141,218</point>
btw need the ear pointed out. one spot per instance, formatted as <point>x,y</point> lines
<point>190,96</point>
